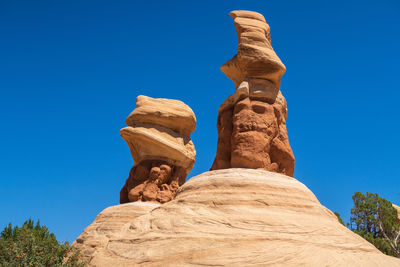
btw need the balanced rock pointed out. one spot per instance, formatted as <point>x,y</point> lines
<point>158,136</point>
<point>251,123</point>
<point>233,217</point>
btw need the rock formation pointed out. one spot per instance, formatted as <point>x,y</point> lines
<point>158,136</point>
<point>251,123</point>
<point>232,217</point>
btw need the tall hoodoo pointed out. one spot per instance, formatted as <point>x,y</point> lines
<point>252,122</point>
<point>158,136</point>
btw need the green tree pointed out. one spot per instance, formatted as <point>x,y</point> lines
<point>34,245</point>
<point>375,219</point>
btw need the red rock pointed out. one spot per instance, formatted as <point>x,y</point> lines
<point>158,136</point>
<point>252,122</point>
<point>152,181</point>
<point>252,134</point>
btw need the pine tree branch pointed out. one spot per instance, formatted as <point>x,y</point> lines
<point>395,249</point>
<point>397,238</point>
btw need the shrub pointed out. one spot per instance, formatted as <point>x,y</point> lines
<point>34,245</point>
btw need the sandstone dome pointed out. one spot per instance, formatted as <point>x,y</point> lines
<point>230,217</point>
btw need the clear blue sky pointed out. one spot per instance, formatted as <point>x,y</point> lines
<point>70,72</point>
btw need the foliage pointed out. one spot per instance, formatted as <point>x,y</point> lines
<point>375,219</point>
<point>34,245</point>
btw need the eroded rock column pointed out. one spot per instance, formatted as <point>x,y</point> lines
<point>252,122</point>
<point>158,136</point>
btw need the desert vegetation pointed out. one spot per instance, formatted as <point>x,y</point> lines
<point>34,245</point>
<point>376,220</point>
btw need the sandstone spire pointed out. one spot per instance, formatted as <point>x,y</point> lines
<point>252,122</point>
<point>158,136</point>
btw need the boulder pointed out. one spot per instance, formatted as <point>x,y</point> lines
<point>159,129</point>
<point>170,113</point>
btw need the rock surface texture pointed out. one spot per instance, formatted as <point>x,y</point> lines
<point>251,123</point>
<point>398,210</point>
<point>233,217</point>
<point>158,136</point>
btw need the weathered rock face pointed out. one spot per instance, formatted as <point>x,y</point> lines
<point>252,122</point>
<point>252,134</point>
<point>152,181</point>
<point>158,135</point>
<point>233,217</point>
<point>258,140</point>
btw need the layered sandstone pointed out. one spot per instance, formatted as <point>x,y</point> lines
<point>158,136</point>
<point>110,221</point>
<point>233,217</point>
<point>251,123</point>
